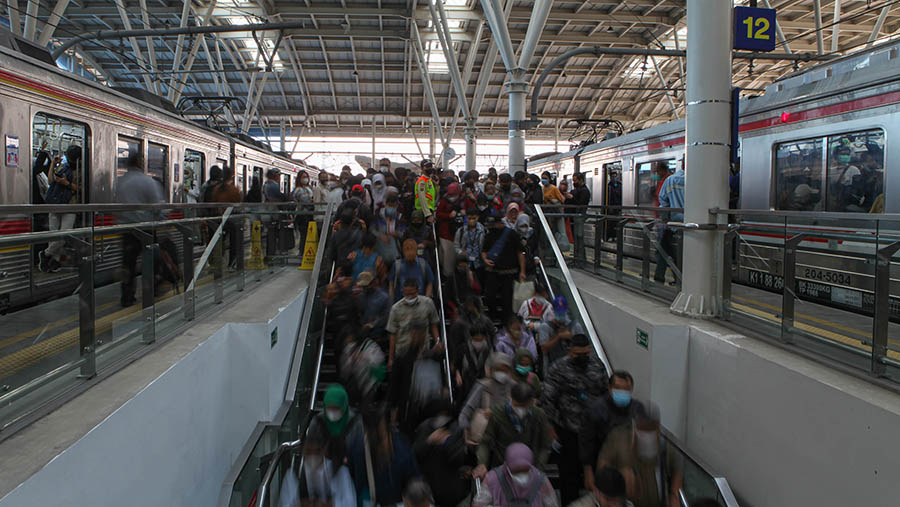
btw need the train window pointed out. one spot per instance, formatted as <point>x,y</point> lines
<point>158,163</point>
<point>258,174</point>
<point>798,175</point>
<point>648,180</point>
<point>287,184</point>
<point>125,148</point>
<point>57,134</point>
<point>855,172</point>
<point>194,162</point>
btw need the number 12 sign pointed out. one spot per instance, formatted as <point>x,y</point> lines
<point>754,29</point>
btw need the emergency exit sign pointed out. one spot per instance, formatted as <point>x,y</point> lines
<point>754,29</point>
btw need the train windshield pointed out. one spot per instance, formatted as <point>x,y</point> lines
<point>839,173</point>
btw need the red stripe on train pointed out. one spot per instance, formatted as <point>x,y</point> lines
<point>15,226</point>
<point>821,112</point>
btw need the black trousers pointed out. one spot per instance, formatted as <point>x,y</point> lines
<point>131,252</point>
<point>668,245</point>
<point>571,472</point>
<point>498,292</point>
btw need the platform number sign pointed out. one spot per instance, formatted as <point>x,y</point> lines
<point>754,29</point>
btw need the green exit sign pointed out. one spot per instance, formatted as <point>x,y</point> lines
<point>642,338</point>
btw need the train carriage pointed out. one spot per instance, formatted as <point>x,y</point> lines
<point>816,141</point>
<point>41,104</point>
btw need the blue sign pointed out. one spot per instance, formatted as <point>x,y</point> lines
<point>754,29</point>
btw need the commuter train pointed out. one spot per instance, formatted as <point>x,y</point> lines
<point>818,140</point>
<point>39,103</point>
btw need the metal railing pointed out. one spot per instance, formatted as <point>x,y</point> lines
<point>151,248</point>
<point>441,316</point>
<point>830,272</point>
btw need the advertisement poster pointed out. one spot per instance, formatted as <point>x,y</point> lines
<point>12,151</point>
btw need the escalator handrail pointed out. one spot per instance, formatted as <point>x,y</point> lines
<point>546,279</point>
<point>321,353</point>
<point>441,316</point>
<point>270,470</point>
<point>576,296</point>
<point>311,297</point>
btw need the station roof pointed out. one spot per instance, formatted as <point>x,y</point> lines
<point>350,62</point>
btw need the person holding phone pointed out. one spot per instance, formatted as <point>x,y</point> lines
<point>61,191</point>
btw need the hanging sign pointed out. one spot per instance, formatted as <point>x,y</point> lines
<point>754,29</point>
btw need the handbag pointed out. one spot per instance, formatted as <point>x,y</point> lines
<point>522,291</point>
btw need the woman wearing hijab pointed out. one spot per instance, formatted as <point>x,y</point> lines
<point>379,192</point>
<point>516,482</point>
<point>332,428</point>
<point>367,194</point>
<point>523,370</point>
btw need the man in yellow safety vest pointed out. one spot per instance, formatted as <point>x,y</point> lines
<point>426,193</point>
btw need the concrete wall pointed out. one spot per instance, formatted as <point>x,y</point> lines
<point>175,441</point>
<point>784,430</point>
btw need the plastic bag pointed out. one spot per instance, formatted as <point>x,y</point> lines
<point>290,490</point>
<point>426,382</point>
<point>521,292</point>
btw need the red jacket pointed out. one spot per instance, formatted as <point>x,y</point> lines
<point>445,224</point>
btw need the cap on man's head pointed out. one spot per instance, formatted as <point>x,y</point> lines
<point>364,278</point>
<point>357,189</point>
<point>512,206</point>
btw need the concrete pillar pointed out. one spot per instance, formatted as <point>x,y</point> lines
<point>518,89</point>
<point>470,146</point>
<point>707,152</point>
<point>431,142</point>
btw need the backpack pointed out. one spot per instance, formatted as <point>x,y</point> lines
<point>421,264</point>
<point>511,499</point>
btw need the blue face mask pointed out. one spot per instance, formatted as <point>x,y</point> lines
<point>545,182</point>
<point>620,398</point>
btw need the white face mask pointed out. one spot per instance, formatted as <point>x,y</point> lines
<point>334,415</point>
<point>479,346</point>
<point>646,444</point>
<point>500,376</point>
<point>384,169</point>
<point>521,478</point>
<point>411,300</point>
<point>520,411</point>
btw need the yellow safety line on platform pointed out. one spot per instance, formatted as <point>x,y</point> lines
<point>21,359</point>
<point>831,335</point>
<point>38,330</point>
<point>810,318</point>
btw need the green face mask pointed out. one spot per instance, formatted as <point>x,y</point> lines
<point>843,159</point>
<point>523,370</point>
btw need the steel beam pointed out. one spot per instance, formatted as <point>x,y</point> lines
<point>151,51</point>
<point>778,31</point>
<point>426,81</point>
<point>185,12</point>
<point>138,55</point>
<point>31,11</point>
<point>52,21</point>
<point>535,28</point>
<point>500,32</point>
<point>817,13</point>
<point>835,26</point>
<point>878,24</point>
<point>443,30</point>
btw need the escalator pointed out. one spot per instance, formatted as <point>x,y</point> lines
<point>277,447</point>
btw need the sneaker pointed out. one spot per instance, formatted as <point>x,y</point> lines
<point>54,266</point>
<point>43,262</point>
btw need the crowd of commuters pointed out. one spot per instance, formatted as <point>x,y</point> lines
<point>529,392</point>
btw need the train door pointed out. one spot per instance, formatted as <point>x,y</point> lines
<point>57,134</point>
<point>193,165</point>
<point>286,183</point>
<point>157,165</point>
<point>240,178</point>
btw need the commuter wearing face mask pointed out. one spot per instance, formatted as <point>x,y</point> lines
<point>486,393</point>
<point>331,428</point>
<point>471,189</point>
<point>516,483</point>
<point>523,371</point>
<point>651,468</point>
<point>426,191</point>
<point>506,187</point>
<point>447,213</point>
<point>470,358</point>
<point>516,420</point>
<point>617,408</point>
<point>610,492</point>
<point>513,336</point>
<point>581,196</point>
<point>572,384</point>
<point>530,243</point>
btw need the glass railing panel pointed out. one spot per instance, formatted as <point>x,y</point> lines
<point>42,310</point>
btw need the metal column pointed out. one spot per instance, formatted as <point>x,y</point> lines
<point>87,309</point>
<point>471,146</point>
<point>882,307</point>
<point>518,89</point>
<point>706,163</point>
